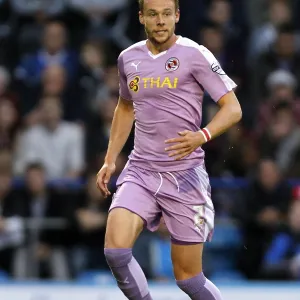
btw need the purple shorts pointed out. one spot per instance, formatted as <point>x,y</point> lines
<point>182,198</point>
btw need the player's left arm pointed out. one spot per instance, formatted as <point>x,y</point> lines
<point>209,74</point>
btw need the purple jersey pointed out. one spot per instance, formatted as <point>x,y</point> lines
<point>167,92</point>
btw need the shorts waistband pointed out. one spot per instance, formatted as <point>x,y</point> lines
<point>167,166</point>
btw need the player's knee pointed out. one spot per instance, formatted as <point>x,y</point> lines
<point>183,272</point>
<point>114,241</point>
<point>187,260</point>
<point>123,228</point>
<point>185,269</point>
<point>117,258</point>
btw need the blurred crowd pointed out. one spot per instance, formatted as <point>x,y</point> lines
<point>58,91</point>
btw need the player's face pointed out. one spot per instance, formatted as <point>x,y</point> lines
<point>159,18</point>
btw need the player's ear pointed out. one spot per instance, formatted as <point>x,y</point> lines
<point>141,18</point>
<point>177,16</point>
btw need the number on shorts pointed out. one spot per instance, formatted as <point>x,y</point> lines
<point>199,216</point>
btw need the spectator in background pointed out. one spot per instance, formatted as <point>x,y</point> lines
<point>281,139</point>
<point>282,56</point>
<point>90,222</point>
<point>92,74</point>
<point>266,206</point>
<point>282,258</point>
<point>99,12</point>
<point>57,144</point>
<point>8,124</point>
<point>264,36</point>
<point>11,225</point>
<point>282,86</point>
<point>221,12</point>
<point>54,84</point>
<point>54,51</point>
<point>43,254</point>
<point>32,17</point>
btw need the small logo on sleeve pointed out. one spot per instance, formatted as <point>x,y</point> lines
<point>134,84</point>
<point>216,68</point>
<point>172,64</point>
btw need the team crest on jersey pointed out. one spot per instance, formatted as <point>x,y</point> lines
<point>134,84</point>
<point>172,64</point>
<point>215,67</point>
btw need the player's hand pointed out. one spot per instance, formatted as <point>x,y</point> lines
<point>103,178</point>
<point>187,143</point>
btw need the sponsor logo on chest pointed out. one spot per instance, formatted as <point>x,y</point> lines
<point>153,83</point>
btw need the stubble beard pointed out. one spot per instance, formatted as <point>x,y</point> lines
<point>154,41</point>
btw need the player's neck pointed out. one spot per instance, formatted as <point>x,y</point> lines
<point>158,48</point>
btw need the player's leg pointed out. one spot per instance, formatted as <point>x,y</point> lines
<point>187,263</point>
<point>189,216</point>
<point>187,260</point>
<point>132,207</point>
<point>123,228</point>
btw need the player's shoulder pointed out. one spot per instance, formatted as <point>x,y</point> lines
<point>190,44</point>
<point>133,48</point>
<point>198,52</point>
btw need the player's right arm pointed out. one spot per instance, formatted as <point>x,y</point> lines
<point>121,127</point>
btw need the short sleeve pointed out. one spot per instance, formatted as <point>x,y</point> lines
<point>210,75</point>
<point>123,87</point>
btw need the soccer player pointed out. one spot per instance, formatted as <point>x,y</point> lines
<point>162,82</point>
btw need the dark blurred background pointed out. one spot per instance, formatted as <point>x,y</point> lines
<point>58,91</point>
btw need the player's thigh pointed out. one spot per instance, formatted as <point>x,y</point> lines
<point>187,206</point>
<point>187,260</point>
<point>123,228</point>
<point>133,207</point>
